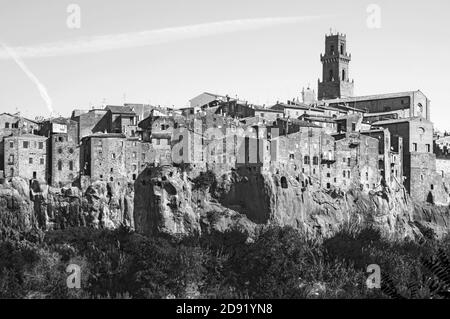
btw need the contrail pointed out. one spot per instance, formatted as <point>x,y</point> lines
<point>151,37</point>
<point>31,76</point>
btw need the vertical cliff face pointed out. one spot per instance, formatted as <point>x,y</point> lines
<point>33,205</point>
<point>168,200</point>
<point>179,203</point>
<point>284,200</point>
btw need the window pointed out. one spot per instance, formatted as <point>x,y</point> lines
<point>315,160</point>
<point>291,156</point>
<point>353,127</point>
<point>11,159</point>
<point>112,170</point>
<point>330,75</point>
<point>348,162</point>
<point>367,176</point>
<point>284,183</point>
<point>30,160</point>
<point>60,165</point>
<point>6,125</point>
<point>342,49</point>
<point>71,150</point>
<point>113,156</point>
<point>134,154</point>
<point>306,160</point>
<point>41,145</point>
<point>71,165</point>
<point>60,150</point>
<point>343,75</point>
<point>134,167</point>
<point>428,148</point>
<point>11,144</point>
<point>26,144</point>
<point>415,147</point>
<point>42,161</point>
<point>343,174</point>
<point>158,141</point>
<point>332,49</point>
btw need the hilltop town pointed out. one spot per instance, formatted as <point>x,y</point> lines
<point>333,139</point>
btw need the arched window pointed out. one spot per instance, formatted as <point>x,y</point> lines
<point>343,75</point>
<point>11,172</point>
<point>284,183</point>
<point>342,49</point>
<point>59,165</point>
<point>71,165</point>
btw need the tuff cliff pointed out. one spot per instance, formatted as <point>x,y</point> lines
<point>25,205</point>
<point>183,202</point>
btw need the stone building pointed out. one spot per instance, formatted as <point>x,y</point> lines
<point>16,124</point>
<point>63,152</point>
<point>88,122</point>
<point>120,119</point>
<point>389,106</point>
<point>25,156</point>
<point>335,69</point>
<point>103,157</point>
<point>113,157</point>
<point>390,155</point>
<point>419,162</point>
<point>356,162</point>
<point>207,99</point>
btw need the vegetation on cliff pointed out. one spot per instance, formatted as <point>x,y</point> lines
<point>279,263</point>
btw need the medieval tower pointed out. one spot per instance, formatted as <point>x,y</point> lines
<point>335,65</point>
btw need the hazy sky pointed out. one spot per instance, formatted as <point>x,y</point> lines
<point>166,52</point>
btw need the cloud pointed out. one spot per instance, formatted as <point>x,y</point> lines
<point>150,37</point>
<point>41,88</point>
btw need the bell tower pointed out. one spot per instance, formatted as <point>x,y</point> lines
<point>335,69</point>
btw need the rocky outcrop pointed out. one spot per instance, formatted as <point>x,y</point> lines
<point>101,205</point>
<point>180,203</point>
<point>168,201</point>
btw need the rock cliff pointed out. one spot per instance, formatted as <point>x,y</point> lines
<point>31,205</point>
<point>182,202</point>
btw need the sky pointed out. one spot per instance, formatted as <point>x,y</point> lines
<point>167,52</point>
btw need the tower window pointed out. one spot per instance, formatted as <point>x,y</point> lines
<point>332,49</point>
<point>342,49</point>
<point>343,75</point>
<point>330,75</point>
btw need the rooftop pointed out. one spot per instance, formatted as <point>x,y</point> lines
<point>120,109</point>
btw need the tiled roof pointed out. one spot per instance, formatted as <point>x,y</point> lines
<point>120,109</point>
